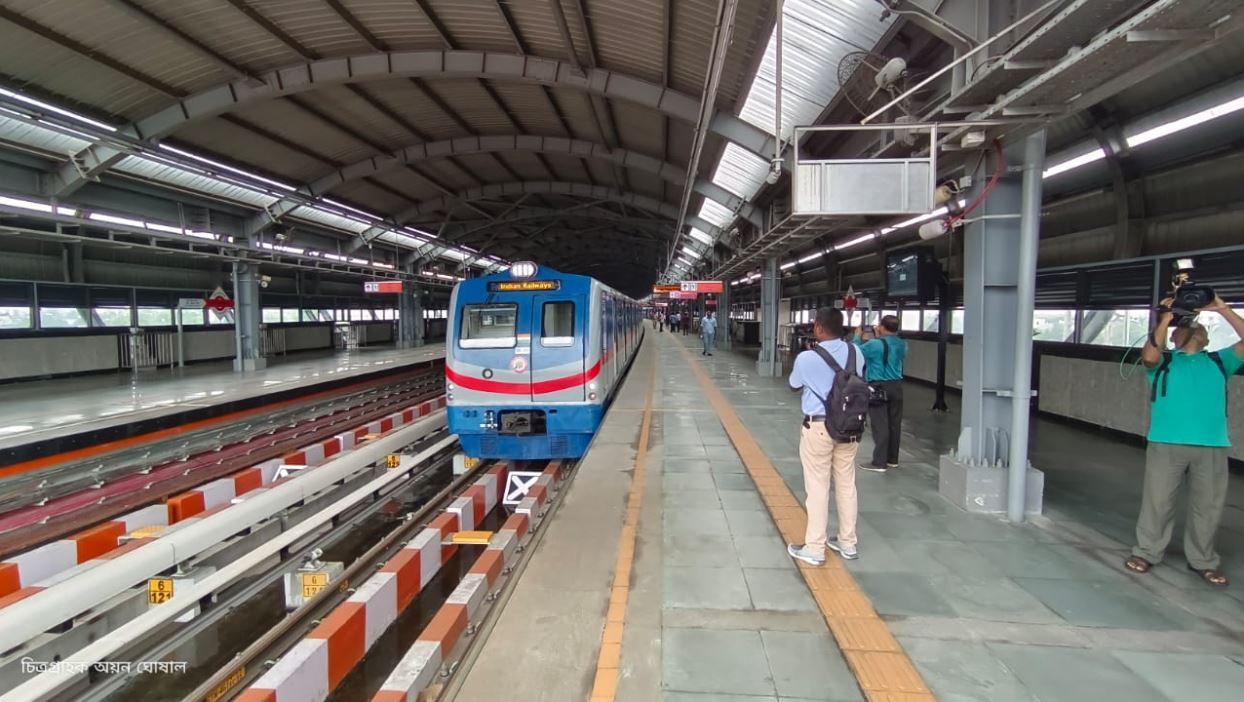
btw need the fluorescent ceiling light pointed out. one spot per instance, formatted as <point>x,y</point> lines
<point>58,110</point>
<point>231,169</point>
<point>1073,163</point>
<point>691,252</point>
<point>685,262</point>
<point>203,235</point>
<point>344,206</point>
<point>787,266</point>
<point>1188,122</point>
<point>113,219</point>
<point>811,257</point>
<point>25,204</point>
<point>383,265</point>
<point>858,240</point>
<point>700,236</point>
<point>154,226</point>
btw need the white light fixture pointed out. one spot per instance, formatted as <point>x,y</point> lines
<point>1188,122</point>
<point>858,240</point>
<point>787,266</point>
<point>231,169</point>
<point>691,252</point>
<point>811,257</point>
<point>25,204</point>
<point>58,110</point>
<point>355,210</point>
<point>1073,163</point>
<point>113,219</point>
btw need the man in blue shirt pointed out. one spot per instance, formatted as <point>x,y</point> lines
<point>708,332</point>
<point>826,463</point>
<point>885,353</point>
<point>1187,435</point>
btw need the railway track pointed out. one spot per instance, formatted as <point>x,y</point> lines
<point>53,504</point>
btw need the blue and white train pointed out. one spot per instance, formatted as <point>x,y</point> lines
<point>532,358</point>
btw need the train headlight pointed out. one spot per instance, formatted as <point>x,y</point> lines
<point>449,396</point>
<point>449,386</point>
<point>591,396</point>
<point>591,385</point>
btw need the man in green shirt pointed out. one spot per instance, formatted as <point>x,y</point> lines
<point>1187,435</point>
<point>884,353</point>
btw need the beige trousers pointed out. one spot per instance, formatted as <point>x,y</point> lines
<point>827,464</point>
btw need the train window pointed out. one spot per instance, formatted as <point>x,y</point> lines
<point>558,326</point>
<point>488,326</point>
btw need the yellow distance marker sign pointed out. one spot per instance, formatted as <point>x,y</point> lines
<point>524,285</point>
<point>159,590</point>
<point>392,461</point>
<point>313,583</point>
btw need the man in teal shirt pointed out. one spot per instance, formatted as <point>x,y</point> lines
<point>1187,435</point>
<point>884,353</point>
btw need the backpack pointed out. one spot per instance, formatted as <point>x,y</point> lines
<point>846,408</point>
<point>1164,372</point>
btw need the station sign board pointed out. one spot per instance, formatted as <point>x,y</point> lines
<point>683,295</point>
<point>524,285</point>
<point>701,286</point>
<point>218,301</point>
<point>663,289</point>
<point>191,303</point>
<point>382,286</point>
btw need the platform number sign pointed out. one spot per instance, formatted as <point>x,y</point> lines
<point>159,590</point>
<point>313,583</point>
<point>392,461</point>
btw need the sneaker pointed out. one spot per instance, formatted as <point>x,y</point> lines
<point>800,552</point>
<point>871,468</point>
<point>891,465</point>
<point>848,552</point>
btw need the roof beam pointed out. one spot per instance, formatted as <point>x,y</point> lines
<point>513,143</point>
<point>150,17</point>
<point>447,64</point>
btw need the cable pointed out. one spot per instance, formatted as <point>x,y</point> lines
<point>999,168</point>
<point>1139,358</point>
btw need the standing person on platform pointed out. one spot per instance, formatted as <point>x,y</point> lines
<point>686,323</point>
<point>1187,435</point>
<point>826,463</point>
<point>885,352</point>
<point>674,320</point>
<point>660,321</point>
<point>708,332</point>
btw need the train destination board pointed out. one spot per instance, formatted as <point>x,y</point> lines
<point>524,285</point>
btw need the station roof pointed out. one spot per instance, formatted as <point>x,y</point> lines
<point>558,130</point>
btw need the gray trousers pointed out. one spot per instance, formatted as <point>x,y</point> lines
<point>1165,467</point>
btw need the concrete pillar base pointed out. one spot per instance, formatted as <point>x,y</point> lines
<point>250,364</point>
<point>982,489</point>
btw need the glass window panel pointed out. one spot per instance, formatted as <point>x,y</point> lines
<point>271,315</point>
<point>557,328</point>
<point>160,316</point>
<point>488,326</point>
<point>1053,325</point>
<point>910,320</point>
<point>15,318</point>
<point>929,322</point>
<point>1114,327</point>
<point>113,316</point>
<point>192,317</point>
<point>288,315</point>
<point>62,317</point>
<point>956,322</point>
<point>221,318</point>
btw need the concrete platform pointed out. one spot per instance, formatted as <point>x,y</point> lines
<point>55,410</point>
<point>983,609</point>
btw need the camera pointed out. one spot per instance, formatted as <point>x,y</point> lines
<point>1188,297</point>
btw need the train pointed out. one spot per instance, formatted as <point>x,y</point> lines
<point>533,357</point>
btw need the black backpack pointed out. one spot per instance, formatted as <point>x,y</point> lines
<point>1164,373</point>
<point>846,408</point>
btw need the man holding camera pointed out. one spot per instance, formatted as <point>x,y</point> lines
<point>885,352</point>
<point>1187,434</point>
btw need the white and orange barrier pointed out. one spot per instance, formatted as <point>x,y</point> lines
<point>421,665</point>
<point>26,573</point>
<point>315,666</point>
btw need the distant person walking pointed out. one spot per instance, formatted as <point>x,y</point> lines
<point>686,324</point>
<point>708,332</point>
<point>1188,437</point>
<point>660,317</point>
<point>674,319</point>
<point>885,352</point>
<point>827,463</point>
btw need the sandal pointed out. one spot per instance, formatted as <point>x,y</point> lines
<point>1136,564</point>
<point>1211,576</point>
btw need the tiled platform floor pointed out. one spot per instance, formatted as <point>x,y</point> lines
<point>30,411</point>
<point>986,610</point>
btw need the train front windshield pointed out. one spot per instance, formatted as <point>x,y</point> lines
<point>489,326</point>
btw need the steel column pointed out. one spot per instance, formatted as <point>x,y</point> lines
<point>410,319</point>
<point>247,315</point>
<point>767,364</point>
<point>723,317</point>
<point>1026,283</point>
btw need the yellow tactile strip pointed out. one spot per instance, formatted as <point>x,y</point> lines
<point>884,671</point>
<point>605,686</point>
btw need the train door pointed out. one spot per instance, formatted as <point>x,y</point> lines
<point>558,333</point>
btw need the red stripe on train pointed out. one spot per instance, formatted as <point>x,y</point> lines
<point>538,388</point>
